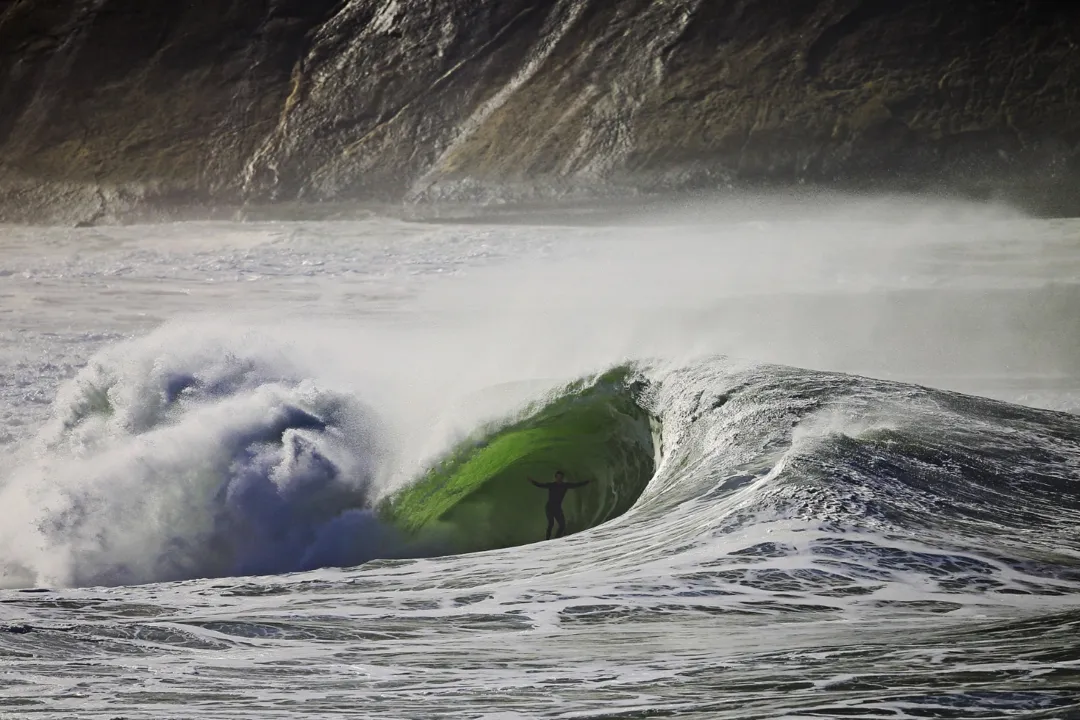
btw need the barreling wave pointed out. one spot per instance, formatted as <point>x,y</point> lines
<point>176,459</point>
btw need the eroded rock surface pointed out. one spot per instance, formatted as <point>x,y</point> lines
<point>112,109</point>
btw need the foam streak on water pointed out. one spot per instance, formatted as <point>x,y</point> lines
<point>201,422</point>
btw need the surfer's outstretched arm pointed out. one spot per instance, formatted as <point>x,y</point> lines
<point>539,485</point>
<point>583,483</point>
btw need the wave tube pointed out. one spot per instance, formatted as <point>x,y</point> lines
<point>479,498</point>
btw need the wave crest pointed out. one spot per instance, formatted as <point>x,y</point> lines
<point>172,458</point>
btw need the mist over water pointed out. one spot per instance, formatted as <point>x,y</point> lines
<point>890,287</point>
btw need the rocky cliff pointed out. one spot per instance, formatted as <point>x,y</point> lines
<point>114,109</point>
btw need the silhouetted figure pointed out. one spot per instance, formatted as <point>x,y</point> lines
<point>556,493</point>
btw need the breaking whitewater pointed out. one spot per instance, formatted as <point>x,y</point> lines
<point>280,470</point>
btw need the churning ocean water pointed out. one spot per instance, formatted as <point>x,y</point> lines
<point>281,469</point>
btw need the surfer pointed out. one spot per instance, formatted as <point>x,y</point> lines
<point>556,493</point>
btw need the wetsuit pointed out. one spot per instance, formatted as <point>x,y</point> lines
<point>556,493</point>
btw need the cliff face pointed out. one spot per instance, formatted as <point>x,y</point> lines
<point>110,105</point>
<point>110,108</point>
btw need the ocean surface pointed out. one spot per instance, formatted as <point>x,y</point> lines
<point>280,469</point>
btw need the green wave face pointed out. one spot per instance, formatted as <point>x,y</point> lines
<point>479,496</point>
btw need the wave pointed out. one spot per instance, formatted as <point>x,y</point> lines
<point>174,457</point>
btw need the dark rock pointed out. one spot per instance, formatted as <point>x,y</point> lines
<point>16,629</point>
<point>120,109</point>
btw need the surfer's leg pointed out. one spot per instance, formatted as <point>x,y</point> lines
<point>551,521</point>
<point>562,522</point>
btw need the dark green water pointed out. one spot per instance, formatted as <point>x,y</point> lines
<point>479,497</point>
